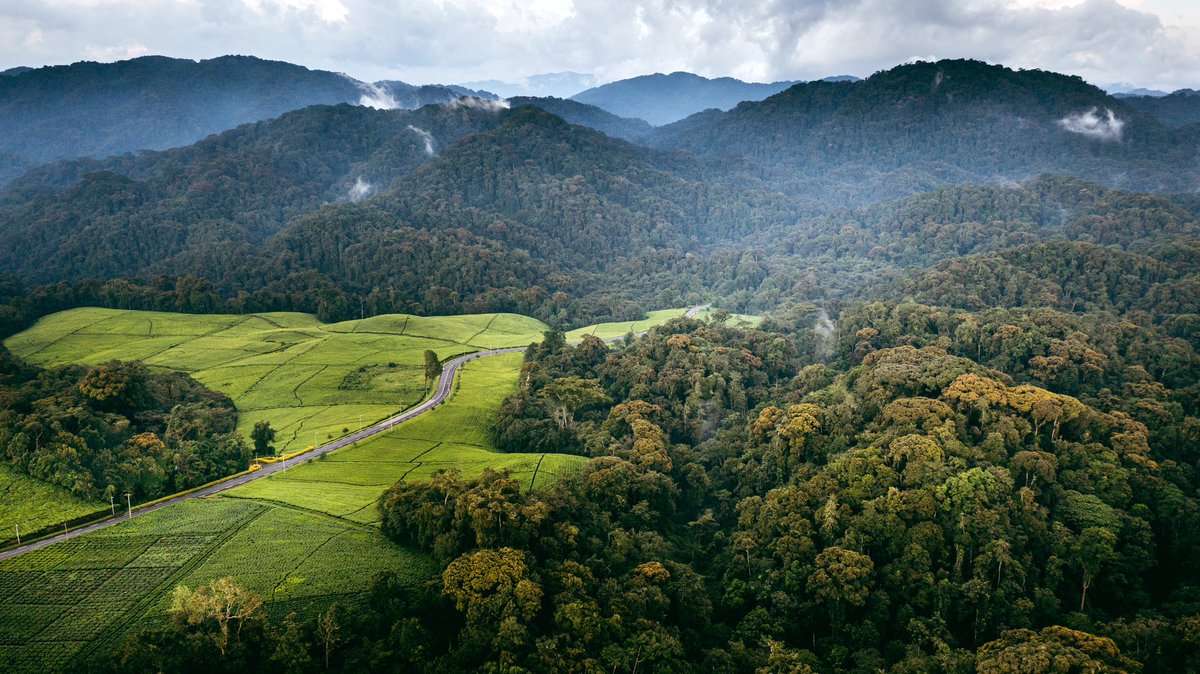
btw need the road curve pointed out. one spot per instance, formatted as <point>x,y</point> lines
<point>445,386</point>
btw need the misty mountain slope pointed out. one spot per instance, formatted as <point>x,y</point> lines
<point>917,126</point>
<point>154,103</point>
<point>924,229</point>
<point>1180,108</point>
<point>661,99</point>
<point>590,116</point>
<point>413,96</point>
<point>567,195</point>
<point>134,213</point>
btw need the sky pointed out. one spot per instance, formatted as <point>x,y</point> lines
<point>1148,43</point>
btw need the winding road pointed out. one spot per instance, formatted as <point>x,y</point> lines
<point>444,388</point>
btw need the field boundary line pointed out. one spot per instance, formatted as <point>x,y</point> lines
<point>486,327</point>
<point>272,503</point>
<point>137,610</point>
<point>300,563</point>
<point>415,458</point>
<point>533,480</point>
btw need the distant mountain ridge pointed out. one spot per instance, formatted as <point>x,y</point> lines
<point>922,125</point>
<point>1178,108</point>
<point>97,110</point>
<point>662,99</point>
<point>557,85</point>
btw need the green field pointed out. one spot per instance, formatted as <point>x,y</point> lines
<point>60,603</point>
<point>611,330</point>
<point>348,482</point>
<point>300,539</point>
<point>735,320</point>
<point>310,380</point>
<point>32,504</point>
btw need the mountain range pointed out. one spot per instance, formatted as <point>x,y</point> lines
<point>661,99</point>
<point>153,103</point>
<point>469,204</point>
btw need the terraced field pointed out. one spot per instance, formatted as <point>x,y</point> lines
<point>311,380</point>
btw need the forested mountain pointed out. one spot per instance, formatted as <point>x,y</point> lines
<point>922,125</point>
<point>153,103</point>
<point>502,209</point>
<point>132,214</point>
<point>1180,108</point>
<point>590,116</point>
<point>662,99</point>
<point>413,96</point>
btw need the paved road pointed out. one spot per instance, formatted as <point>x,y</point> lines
<point>445,386</point>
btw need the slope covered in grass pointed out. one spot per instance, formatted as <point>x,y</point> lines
<point>308,379</point>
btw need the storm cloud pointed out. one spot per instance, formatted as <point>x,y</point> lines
<point>1151,43</point>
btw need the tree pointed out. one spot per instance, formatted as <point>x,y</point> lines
<point>488,586</point>
<point>263,435</point>
<point>841,577</point>
<point>1094,549</point>
<point>433,366</point>
<point>1054,650</point>
<point>329,630</point>
<point>222,602</point>
<point>565,395</point>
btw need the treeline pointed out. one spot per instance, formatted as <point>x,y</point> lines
<point>116,428</point>
<point>803,497</point>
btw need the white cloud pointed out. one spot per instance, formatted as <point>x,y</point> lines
<point>425,136</point>
<point>376,97</point>
<point>360,190</point>
<point>1094,125</point>
<point>1156,45</point>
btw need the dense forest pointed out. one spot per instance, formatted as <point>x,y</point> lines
<point>908,490</point>
<point>116,429</point>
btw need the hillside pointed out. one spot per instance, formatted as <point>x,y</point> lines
<point>1179,108</point>
<point>231,191</point>
<point>590,116</point>
<point>153,103</point>
<point>661,99</point>
<point>925,124</point>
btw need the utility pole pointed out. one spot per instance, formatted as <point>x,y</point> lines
<point>18,526</point>
<point>112,504</point>
<point>129,503</point>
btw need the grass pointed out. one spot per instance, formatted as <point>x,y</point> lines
<point>348,482</point>
<point>611,330</point>
<point>59,603</point>
<point>33,505</point>
<point>309,379</point>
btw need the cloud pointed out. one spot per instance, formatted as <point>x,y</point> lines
<point>1093,125</point>
<point>476,103</point>
<point>425,136</point>
<point>438,41</point>
<point>360,190</point>
<point>376,97</point>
